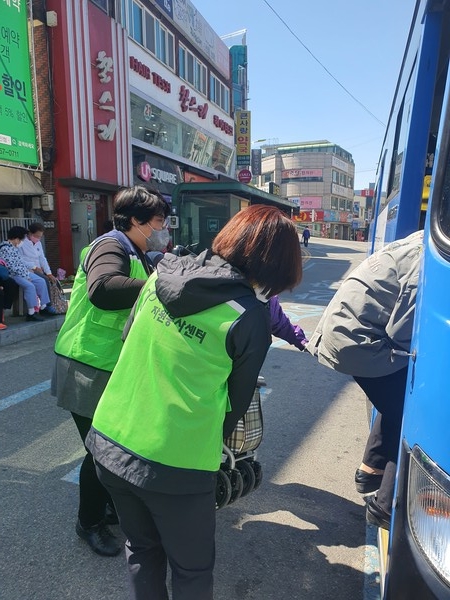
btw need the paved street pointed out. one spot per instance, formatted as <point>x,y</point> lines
<point>302,534</point>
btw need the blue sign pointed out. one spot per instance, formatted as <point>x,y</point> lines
<point>166,5</point>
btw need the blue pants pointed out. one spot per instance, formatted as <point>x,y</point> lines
<point>36,288</point>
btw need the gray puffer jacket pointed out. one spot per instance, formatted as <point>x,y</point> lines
<point>372,313</point>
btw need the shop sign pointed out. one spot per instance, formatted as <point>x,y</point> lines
<point>223,125</point>
<point>146,173</point>
<point>274,188</point>
<point>305,216</point>
<point>311,202</point>
<point>17,112</point>
<point>245,176</point>
<point>256,161</point>
<point>145,72</point>
<point>301,173</point>
<point>243,140</point>
<point>188,102</point>
<point>331,216</point>
<point>105,71</point>
<point>166,5</point>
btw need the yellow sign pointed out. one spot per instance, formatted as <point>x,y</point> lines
<point>243,139</point>
<point>425,191</point>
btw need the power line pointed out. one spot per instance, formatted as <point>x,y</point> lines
<point>323,66</point>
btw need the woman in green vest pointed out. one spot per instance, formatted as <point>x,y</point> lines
<point>187,371</point>
<point>112,272</point>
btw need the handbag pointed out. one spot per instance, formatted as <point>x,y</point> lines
<point>57,298</point>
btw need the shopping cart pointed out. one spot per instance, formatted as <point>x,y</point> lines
<point>240,473</point>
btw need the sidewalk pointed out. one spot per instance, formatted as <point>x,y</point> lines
<point>19,329</point>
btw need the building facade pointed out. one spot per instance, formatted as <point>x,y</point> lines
<point>139,92</point>
<point>318,177</point>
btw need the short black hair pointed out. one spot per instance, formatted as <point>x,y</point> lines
<point>140,203</point>
<point>17,232</point>
<point>36,226</point>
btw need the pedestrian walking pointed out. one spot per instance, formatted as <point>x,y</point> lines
<point>305,236</point>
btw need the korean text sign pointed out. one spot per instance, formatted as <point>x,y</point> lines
<point>17,115</point>
<point>243,142</point>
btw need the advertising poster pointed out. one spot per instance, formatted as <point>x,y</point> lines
<point>17,112</point>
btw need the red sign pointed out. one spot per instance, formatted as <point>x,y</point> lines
<point>245,175</point>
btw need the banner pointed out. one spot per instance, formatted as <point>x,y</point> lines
<point>18,142</point>
<point>243,140</point>
<point>256,162</point>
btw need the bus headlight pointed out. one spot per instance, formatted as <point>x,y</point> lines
<point>429,511</point>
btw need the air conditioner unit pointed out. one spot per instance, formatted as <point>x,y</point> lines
<point>17,213</point>
<point>47,202</point>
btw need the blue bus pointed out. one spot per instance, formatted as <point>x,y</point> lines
<point>413,178</point>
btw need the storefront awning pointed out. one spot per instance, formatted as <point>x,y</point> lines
<point>19,182</point>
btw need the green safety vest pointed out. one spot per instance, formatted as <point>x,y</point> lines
<point>89,334</point>
<point>167,397</point>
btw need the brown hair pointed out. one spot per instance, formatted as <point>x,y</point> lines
<point>262,242</point>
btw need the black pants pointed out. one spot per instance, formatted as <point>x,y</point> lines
<point>159,527</point>
<point>8,293</point>
<point>387,394</point>
<point>93,496</point>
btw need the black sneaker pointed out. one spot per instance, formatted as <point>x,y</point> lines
<point>100,539</point>
<point>34,317</point>
<point>49,310</point>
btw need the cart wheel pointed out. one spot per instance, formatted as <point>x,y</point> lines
<point>237,484</point>
<point>223,489</point>
<point>248,476</point>
<point>257,468</point>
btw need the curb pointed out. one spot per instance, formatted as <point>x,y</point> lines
<point>20,330</point>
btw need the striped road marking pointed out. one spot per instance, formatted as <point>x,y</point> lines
<point>24,394</point>
<point>371,561</point>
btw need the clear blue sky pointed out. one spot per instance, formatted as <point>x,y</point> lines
<point>292,98</point>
